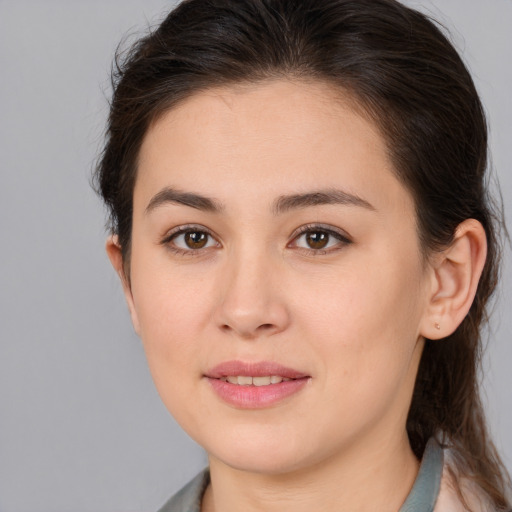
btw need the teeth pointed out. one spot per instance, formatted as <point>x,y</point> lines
<point>243,380</point>
<point>261,381</point>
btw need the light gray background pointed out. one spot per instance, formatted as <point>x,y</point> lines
<point>81,427</point>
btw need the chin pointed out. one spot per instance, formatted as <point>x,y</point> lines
<point>259,453</point>
<point>263,463</point>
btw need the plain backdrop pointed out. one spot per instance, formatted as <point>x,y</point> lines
<point>81,426</point>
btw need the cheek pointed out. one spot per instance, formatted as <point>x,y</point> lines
<point>366,321</point>
<point>169,316</point>
<point>363,295</point>
<point>172,307</point>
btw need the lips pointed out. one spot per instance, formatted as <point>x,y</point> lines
<point>243,380</point>
<point>260,369</point>
<point>255,385</point>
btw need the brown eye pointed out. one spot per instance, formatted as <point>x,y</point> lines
<point>188,240</point>
<point>195,239</point>
<point>317,239</point>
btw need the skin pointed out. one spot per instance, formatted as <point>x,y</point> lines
<point>353,315</point>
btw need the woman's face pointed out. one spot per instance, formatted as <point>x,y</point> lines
<point>271,238</point>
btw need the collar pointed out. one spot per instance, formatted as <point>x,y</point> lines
<point>422,497</point>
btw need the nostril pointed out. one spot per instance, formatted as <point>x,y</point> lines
<point>263,328</point>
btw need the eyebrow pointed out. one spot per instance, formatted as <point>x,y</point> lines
<point>281,205</point>
<point>321,197</point>
<point>171,195</point>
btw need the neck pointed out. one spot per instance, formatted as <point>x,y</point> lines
<point>375,476</point>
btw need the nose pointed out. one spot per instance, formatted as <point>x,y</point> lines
<point>252,300</point>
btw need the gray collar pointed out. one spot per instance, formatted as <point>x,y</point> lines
<point>425,490</point>
<point>422,497</point>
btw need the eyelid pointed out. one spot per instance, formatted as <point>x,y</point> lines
<point>342,236</point>
<point>178,230</point>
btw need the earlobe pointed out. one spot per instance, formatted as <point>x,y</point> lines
<point>115,256</point>
<point>455,275</point>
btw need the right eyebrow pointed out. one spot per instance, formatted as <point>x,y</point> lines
<point>171,195</point>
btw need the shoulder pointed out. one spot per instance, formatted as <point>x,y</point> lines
<point>450,499</point>
<point>188,499</point>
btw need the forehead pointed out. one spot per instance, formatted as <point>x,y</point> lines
<point>268,136</point>
<point>292,110</point>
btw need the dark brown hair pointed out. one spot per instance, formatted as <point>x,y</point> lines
<point>407,77</point>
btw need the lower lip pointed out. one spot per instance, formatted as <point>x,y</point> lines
<point>256,397</point>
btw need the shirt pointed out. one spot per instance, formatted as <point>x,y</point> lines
<point>431,492</point>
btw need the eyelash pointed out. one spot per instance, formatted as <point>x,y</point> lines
<point>181,230</point>
<point>342,238</point>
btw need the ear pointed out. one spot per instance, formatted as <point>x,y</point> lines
<point>455,273</point>
<point>115,256</point>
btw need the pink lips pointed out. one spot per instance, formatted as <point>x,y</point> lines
<point>251,396</point>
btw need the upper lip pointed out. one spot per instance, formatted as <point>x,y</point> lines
<point>253,369</point>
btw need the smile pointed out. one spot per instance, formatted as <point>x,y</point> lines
<point>244,380</point>
<point>255,385</point>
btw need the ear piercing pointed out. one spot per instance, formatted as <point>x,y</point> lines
<point>437,326</point>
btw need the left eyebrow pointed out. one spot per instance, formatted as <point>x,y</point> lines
<point>321,197</point>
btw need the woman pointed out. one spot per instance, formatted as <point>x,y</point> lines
<point>301,226</point>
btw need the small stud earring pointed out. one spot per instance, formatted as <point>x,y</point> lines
<point>437,326</point>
